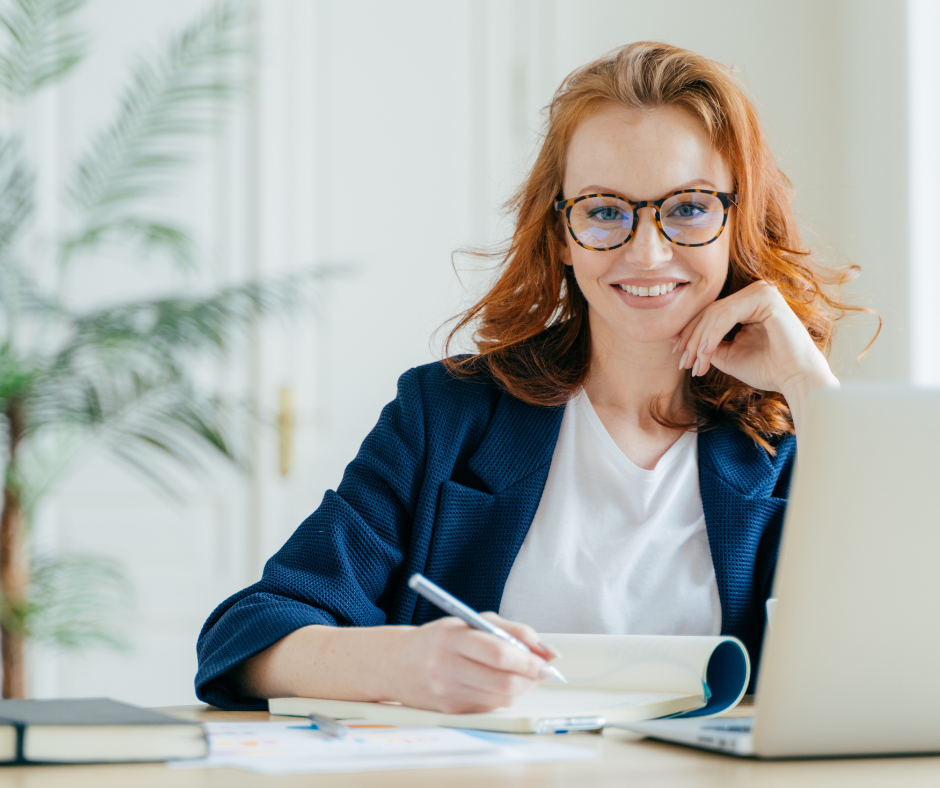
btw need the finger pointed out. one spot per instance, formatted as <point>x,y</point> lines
<point>467,700</point>
<point>526,634</point>
<point>464,699</point>
<point>548,651</point>
<point>724,316</point>
<point>719,357</point>
<point>519,631</point>
<point>686,332</point>
<point>706,343</point>
<point>694,342</point>
<point>704,356</point>
<point>753,303</point>
<point>497,654</point>
<point>454,695</point>
<point>684,336</point>
<point>482,678</point>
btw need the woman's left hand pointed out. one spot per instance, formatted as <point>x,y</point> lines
<point>773,351</point>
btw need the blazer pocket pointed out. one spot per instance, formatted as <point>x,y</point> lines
<point>464,518</point>
<point>463,538</point>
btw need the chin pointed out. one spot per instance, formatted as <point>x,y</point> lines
<point>652,329</point>
<point>645,334</point>
<point>650,337</point>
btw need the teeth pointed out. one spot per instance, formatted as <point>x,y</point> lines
<point>655,290</point>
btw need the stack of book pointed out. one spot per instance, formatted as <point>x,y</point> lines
<point>93,730</point>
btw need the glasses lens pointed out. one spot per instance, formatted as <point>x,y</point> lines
<point>601,222</point>
<point>692,218</point>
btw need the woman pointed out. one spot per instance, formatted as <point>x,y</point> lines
<point>616,456</point>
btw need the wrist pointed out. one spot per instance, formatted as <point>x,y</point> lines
<point>798,387</point>
<point>345,663</point>
<point>385,646</point>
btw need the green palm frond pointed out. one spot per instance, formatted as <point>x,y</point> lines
<point>153,428</point>
<point>122,383</point>
<point>170,99</point>
<point>16,375</point>
<point>146,233</point>
<point>18,291</point>
<point>76,601</point>
<point>174,425</point>
<point>16,192</point>
<point>164,328</point>
<point>39,45</point>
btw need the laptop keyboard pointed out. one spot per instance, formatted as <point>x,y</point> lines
<point>740,725</point>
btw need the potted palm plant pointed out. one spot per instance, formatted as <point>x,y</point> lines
<point>116,378</point>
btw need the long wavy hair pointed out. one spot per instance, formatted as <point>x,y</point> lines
<point>532,334</point>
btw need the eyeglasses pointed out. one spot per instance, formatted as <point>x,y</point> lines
<point>690,217</point>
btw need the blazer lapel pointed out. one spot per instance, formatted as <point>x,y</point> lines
<point>520,439</point>
<point>736,479</point>
<point>477,533</point>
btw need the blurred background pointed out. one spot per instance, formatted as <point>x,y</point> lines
<point>377,137</point>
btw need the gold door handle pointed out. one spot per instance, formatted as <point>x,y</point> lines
<point>285,430</point>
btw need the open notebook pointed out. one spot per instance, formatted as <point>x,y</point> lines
<point>613,679</point>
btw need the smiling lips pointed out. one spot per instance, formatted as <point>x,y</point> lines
<point>656,290</point>
<point>656,296</point>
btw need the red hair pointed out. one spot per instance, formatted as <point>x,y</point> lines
<point>532,332</point>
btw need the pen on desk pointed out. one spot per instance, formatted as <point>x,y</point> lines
<point>450,604</point>
<point>327,726</point>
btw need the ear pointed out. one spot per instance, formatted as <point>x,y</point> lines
<point>561,234</point>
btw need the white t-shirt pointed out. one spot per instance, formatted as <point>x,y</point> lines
<point>615,548</point>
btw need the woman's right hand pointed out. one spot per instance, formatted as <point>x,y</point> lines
<point>447,666</point>
<point>442,666</point>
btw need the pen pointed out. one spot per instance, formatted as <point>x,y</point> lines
<point>450,604</point>
<point>327,726</point>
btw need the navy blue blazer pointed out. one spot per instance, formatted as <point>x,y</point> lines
<point>447,484</point>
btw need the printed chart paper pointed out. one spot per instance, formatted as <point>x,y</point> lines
<point>291,748</point>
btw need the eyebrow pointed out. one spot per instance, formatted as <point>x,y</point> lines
<point>606,189</point>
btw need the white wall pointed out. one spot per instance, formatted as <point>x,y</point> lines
<point>386,135</point>
<point>923,65</point>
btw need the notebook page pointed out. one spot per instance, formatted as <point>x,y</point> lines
<point>566,701</point>
<point>648,663</point>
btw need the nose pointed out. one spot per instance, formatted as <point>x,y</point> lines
<point>647,248</point>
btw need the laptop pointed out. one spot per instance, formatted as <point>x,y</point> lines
<point>851,662</point>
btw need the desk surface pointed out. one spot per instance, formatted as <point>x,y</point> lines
<point>623,761</point>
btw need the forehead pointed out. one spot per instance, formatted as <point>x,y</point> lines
<point>642,154</point>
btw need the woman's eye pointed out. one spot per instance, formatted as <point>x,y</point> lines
<point>687,210</point>
<point>606,214</point>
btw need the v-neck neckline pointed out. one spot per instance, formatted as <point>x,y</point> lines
<point>583,403</point>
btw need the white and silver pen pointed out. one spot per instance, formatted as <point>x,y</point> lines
<point>327,726</point>
<point>450,604</point>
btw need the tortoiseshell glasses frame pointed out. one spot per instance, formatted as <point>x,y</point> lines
<point>727,200</point>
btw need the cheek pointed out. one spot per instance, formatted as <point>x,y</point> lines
<point>588,267</point>
<point>713,269</point>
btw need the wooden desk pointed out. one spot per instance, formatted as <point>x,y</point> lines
<point>623,761</point>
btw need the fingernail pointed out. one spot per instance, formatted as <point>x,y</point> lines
<point>675,345</point>
<point>555,653</point>
<point>683,359</point>
<point>545,672</point>
<point>695,368</point>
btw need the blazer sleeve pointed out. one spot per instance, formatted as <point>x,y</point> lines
<point>335,567</point>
